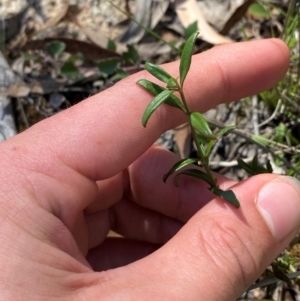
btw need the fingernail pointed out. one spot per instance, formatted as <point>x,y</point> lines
<point>279,204</point>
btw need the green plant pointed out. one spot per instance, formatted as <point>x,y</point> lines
<point>201,132</point>
<point>254,168</point>
<point>67,68</point>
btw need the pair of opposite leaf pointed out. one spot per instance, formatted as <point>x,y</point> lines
<point>203,136</point>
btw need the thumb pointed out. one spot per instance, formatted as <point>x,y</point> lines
<point>221,251</point>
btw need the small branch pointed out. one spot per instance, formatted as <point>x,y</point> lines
<point>194,135</point>
<point>273,114</point>
<point>290,101</point>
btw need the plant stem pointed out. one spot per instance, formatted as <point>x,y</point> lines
<point>180,90</point>
<point>144,27</point>
<point>202,159</point>
<point>194,134</point>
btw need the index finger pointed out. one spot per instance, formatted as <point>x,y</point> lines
<point>104,134</point>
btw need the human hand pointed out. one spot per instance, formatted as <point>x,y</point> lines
<point>69,179</point>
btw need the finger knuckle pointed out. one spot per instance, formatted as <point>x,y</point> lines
<point>229,250</point>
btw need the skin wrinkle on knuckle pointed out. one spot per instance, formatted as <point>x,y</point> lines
<point>226,248</point>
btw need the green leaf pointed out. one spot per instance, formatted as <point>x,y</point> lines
<point>278,273</point>
<point>133,53</point>
<point>155,89</point>
<point>260,140</point>
<point>192,28</point>
<point>259,169</point>
<point>203,151</point>
<point>186,57</point>
<point>227,195</point>
<point>247,167</point>
<point>158,72</point>
<point>224,131</point>
<point>55,49</point>
<point>219,134</point>
<point>154,104</point>
<point>179,165</point>
<point>119,74</point>
<point>172,84</point>
<point>68,69</point>
<point>131,56</point>
<point>254,168</point>
<point>257,10</point>
<point>209,147</point>
<point>195,173</point>
<point>108,67</point>
<point>111,45</point>
<point>199,123</point>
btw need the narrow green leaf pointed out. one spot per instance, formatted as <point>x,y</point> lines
<point>186,57</point>
<point>192,28</point>
<point>133,53</point>
<point>55,49</point>
<point>247,167</point>
<point>227,195</point>
<point>179,165</point>
<point>219,134</point>
<point>224,131</point>
<point>154,104</point>
<point>158,72</point>
<point>260,139</point>
<point>209,147</point>
<point>155,89</point>
<point>130,56</point>
<point>257,168</point>
<point>195,173</point>
<point>199,123</point>
<point>203,151</point>
<point>278,273</point>
<point>68,69</point>
<point>254,168</point>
